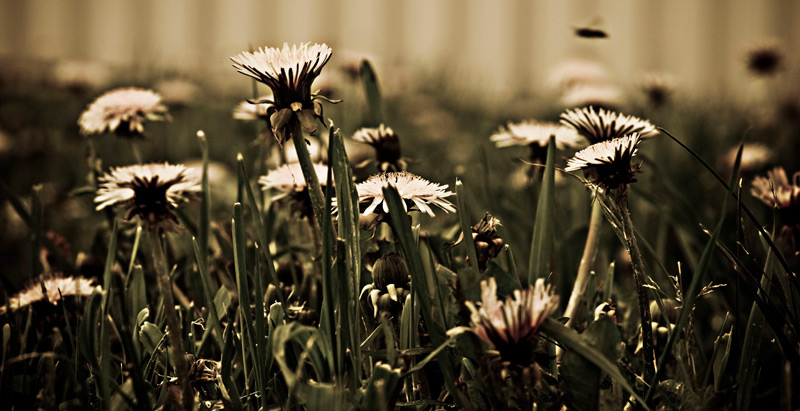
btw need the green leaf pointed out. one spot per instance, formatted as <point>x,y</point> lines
<point>373,93</point>
<point>470,277</point>
<point>581,376</point>
<point>544,225</point>
<point>205,200</point>
<point>572,341</point>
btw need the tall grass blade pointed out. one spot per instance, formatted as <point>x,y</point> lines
<point>205,199</point>
<point>544,224</point>
<point>373,93</point>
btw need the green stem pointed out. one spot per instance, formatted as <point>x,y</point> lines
<point>641,278</point>
<point>175,332</point>
<point>312,182</point>
<point>587,259</point>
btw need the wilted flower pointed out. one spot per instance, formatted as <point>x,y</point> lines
<point>289,72</point>
<point>389,300</point>
<point>50,288</point>
<point>512,326</point>
<point>386,145</point>
<point>600,125</point>
<point>122,111</point>
<point>390,269</point>
<point>149,191</point>
<point>487,243</point>
<point>532,132</point>
<point>765,59</point>
<point>592,94</point>
<point>413,189</point>
<point>608,163</point>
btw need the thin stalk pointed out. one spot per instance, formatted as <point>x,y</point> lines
<point>641,278</point>
<point>175,330</point>
<point>587,259</point>
<point>312,182</point>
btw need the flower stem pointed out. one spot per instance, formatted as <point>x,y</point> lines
<point>312,182</point>
<point>640,278</point>
<point>587,259</point>
<point>175,331</point>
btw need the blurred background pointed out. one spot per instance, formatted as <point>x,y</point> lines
<point>494,48</point>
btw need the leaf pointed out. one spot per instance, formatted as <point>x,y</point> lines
<point>572,341</point>
<point>373,93</point>
<point>582,377</point>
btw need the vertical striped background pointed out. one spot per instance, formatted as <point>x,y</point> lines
<point>493,46</point>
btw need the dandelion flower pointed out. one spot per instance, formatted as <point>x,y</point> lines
<point>178,92</point>
<point>512,326</point>
<point>569,73</point>
<point>765,59</point>
<point>754,157</point>
<point>608,163</point>
<point>122,111</point>
<point>289,73</point>
<point>600,125</point>
<point>532,132</point>
<point>50,288</point>
<point>149,191</point>
<point>414,190</point>
<point>247,111</point>
<point>592,94</point>
<point>288,178</point>
<point>81,76</point>
<point>658,89</point>
<point>386,144</point>
<point>776,191</point>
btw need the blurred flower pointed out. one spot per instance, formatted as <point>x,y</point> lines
<point>247,111</point>
<point>512,326</point>
<point>315,150</point>
<point>608,163</point>
<point>569,73</point>
<point>390,285</point>
<point>604,95</point>
<point>413,189</point>
<point>765,59</point>
<point>80,75</point>
<point>122,111</point>
<point>530,132</point>
<point>289,72</point>
<point>754,157</point>
<point>149,191</point>
<point>386,145</point>
<point>776,191</point>
<point>178,92</point>
<point>657,88</point>
<point>222,183</point>
<point>350,62</point>
<point>46,288</point>
<point>600,125</point>
<point>288,178</point>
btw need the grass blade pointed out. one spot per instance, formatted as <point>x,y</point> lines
<point>544,225</point>
<point>373,93</point>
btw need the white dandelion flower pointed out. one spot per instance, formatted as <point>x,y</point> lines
<point>122,111</point>
<point>512,326</point>
<point>148,191</point>
<point>413,189</point>
<point>50,288</point>
<point>288,71</point>
<point>530,132</point>
<point>386,144</point>
<point>289,178</point>
<point>608,162</point>
<point>600,125</point>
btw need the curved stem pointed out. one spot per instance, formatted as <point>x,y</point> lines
<point>175,332</point>
<point>587,259</point>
